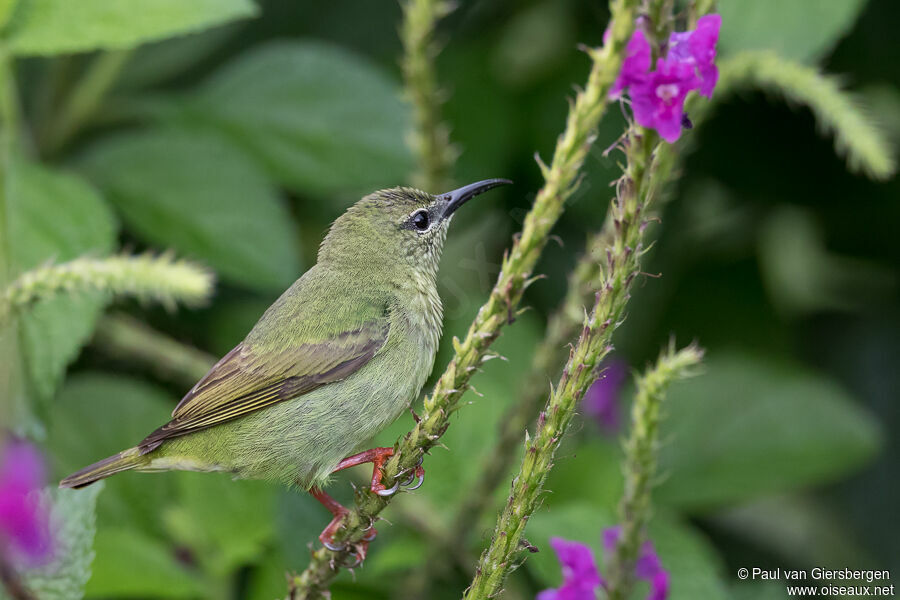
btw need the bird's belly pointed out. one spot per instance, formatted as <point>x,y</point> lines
<point>300,441</point>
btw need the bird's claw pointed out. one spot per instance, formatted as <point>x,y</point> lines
<point>383,491</point>
<point>340,547</point>
<point>419,473</point>
<point>418,483</point>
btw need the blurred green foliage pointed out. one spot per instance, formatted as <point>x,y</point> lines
<point>237,145</point>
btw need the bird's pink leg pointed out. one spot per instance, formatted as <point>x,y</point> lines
<point>337,511</point>
<point>376,456</point>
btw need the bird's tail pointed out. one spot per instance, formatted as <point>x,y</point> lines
<point>123,461</point>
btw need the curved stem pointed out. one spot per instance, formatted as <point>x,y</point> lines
<point>159,278</point>
<point>619,268</point>
<point>640,462</point>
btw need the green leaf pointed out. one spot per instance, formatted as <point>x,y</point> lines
<point>801,530</point>
<point>800,29</point>
<point>130,564</point>
<point>159,62</point>
<point>97,415</point>
<point>317,117</point>
<point>227,523</point>
<point>749,427</point>
<point>690,560</point>
<point>72,516</point>
<point>194,191</point>
<point>54,217</point>
<point>41,27</point>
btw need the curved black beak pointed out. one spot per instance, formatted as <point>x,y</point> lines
<point>460,196</point>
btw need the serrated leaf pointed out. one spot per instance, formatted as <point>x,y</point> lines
<point>195,192</point>
<point>41,27</point>
<point>318,118</point>
<point>750,427</point>
<point>800,29</point>
<point>73,520</point>
<point>54,216</point>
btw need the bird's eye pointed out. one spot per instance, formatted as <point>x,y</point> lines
<point>420,220</point>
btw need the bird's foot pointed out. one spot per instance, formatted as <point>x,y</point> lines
<point>376,456</point>
<point>338,512</point>
<point>327,535</point>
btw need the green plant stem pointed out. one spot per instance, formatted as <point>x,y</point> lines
<point>619,267</point>
<point>698,8</point>
<point>546,360</point>
<point>13,409</point>
<point>146,277</point>
<point>562,327</point>
<point>500,308</point>
<point>640,462</point>
<point>122,337</point>
<point>430,137</point>
<point>82,103</point>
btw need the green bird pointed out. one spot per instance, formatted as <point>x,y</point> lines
<point>338,357</point>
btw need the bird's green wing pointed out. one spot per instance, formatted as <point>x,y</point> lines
<point>251,377</point>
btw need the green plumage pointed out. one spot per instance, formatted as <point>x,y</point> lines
<point>331,363</point>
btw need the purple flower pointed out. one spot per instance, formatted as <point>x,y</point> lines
<point>657,97</point>
<point>658,100</point>
<point>580,576</point>
<point>648,566</point>
<point>698,48</point>
<point>635,65</point>
<point>601,402</point>
<point>24,521</point>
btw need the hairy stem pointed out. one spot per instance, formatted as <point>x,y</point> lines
<point>618,270</point>
<point>640,462</point>
<point>857,137</point>
<point>547,359</point>
<point>502,305</point>
<point>146,277</point>
<point>430,137</point>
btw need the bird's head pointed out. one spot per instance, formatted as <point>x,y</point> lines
<point>397,227</point>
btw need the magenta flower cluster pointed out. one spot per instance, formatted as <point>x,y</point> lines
<point>25,537</point>
<point>582,579</point>
<point>657,96</point>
